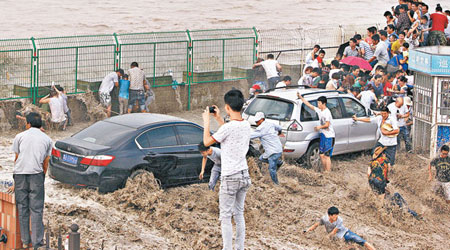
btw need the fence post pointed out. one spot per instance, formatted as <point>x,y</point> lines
<point>189,69</point>
<point>116,53</point>
<point>255,46</point>
<point>301,32</point>
<point>33,72</point>
<point>74,238</point>
<point>342,33</point>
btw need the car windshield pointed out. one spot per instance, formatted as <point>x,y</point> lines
<point>103,133</point>
<point>273,108</point>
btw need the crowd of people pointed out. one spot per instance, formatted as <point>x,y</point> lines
<point>409,25</point>
<point>133,89</point>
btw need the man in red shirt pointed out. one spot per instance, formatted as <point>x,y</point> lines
<point>387,86</point>
<point>440,22</point>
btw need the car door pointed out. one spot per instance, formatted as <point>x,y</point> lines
<point>362,134</point>
<point>340,125</point>
<point>190,136</point>
<point>161,144</point>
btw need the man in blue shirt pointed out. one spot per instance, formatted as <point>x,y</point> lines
<point>124,86</point>
<point>377,85</point>
<point>268,134</point>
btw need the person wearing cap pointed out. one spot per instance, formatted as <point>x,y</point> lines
<point>377,172</point>
<point>387,126</point>
<point>107,85</point>
<point>285,82</point>
<point>268,134</point>
<point>254,91</point>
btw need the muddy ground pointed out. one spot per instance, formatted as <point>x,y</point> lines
<point>141,216</point>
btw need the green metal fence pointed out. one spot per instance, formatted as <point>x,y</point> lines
<point>162,55</point>
<point>16,69</point>
<point>224,54</point>
<point>79,63</point>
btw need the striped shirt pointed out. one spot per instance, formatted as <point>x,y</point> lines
<point>368,53</point>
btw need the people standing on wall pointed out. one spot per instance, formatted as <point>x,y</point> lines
<point>108,83</point>
<point>138,86</point>
<point>272,68</point>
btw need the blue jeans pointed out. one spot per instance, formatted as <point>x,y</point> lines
<point>233,189</point>
<point>350,236</point>
<point>273,161</point>
<point>215,175</point>
<point>273,81</point>
<point>404,134</point>
<point>136,95</point>
<point>374,62</point>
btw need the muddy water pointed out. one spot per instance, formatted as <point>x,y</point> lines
<point>23,18</point>
<point>141,216</point>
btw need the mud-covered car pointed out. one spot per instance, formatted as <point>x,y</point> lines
<point>301,142</point>
<point>106,153</point>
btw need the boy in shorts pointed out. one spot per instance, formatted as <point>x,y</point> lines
<point>213,154</point>
<point>325,129</point>
<point>335,228</point>
<point>442,165</point>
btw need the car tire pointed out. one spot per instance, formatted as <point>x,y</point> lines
<point>142,171</point>
<point>312,157</point>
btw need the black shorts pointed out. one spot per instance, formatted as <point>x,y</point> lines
<point>379,187</point>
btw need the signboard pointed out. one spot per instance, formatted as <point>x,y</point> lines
<point>429,63</point>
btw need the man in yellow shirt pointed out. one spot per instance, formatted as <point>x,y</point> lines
<point>398,44</point>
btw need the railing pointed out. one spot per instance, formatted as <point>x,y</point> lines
<point>79,63</point>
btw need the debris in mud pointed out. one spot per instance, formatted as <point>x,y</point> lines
<point>86,107</point>
<point>277,214</point>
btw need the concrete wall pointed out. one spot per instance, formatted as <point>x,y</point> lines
<point>85,107</point>
<point>169,100</point>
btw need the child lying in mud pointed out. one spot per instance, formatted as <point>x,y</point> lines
<point>335,228</point>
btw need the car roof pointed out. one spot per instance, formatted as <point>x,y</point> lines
<point>291,93</point>
<point>137,120</point>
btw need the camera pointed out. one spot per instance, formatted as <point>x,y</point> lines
<point>212,110</point>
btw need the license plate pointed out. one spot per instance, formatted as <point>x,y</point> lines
<point>70,159</point>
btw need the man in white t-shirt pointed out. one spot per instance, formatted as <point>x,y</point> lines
<point>272,67</point>
<point>312,55</point>
<point>325,129</point>
<point>368,96</point>
<point>108,83</point>
<point>335,68</point>
<point>56,103</point>
<point>387,126</point>
<point>400,112</point>
<point>287,80</point>
<point>234,139</point>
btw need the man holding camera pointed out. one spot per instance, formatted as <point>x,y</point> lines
<point>234,139</point>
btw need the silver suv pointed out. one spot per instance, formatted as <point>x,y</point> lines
<point>301,142</point>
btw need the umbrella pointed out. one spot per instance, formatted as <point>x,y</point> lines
<point>352,60</point>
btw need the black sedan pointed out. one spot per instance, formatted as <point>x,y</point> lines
<point>105,154</point>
